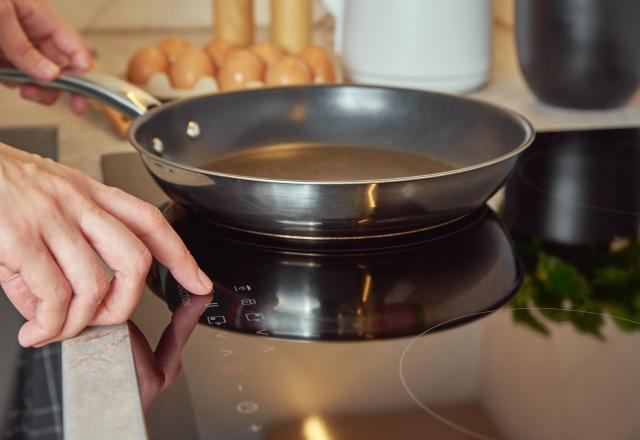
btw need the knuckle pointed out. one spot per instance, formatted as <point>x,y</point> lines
<point>15,242</point>
<point>141,261</point>
<point>35,158</point>
<point>51,327</point>
<point>30,168</point>
<point>50,330</point>
<point>147,258</point>
<point>21,49</point>
<point>120,316</point>
<point>61,293</point>
<point>8,279</point>
<point>111,190</point>
<point>120,312</point>
<point>48,161</point>
<point>153,215</point>
<point>62,185</point>
<point>47,207</point>
<point>96,290</point>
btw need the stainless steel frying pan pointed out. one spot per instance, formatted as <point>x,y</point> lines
<point>478,142</point>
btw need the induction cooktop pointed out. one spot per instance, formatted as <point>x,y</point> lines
<point>273,289</point>
<point>521,325</point>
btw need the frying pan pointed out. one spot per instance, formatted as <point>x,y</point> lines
<point>479,141</point>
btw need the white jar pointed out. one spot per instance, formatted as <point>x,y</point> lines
<point>442,45</point>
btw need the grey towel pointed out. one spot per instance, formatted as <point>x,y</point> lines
<point>36,409</point>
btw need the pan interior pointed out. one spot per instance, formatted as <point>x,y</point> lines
<point>330,133</point>
<point>314,161</point>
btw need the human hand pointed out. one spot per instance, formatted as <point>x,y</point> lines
<point>38,42</point>
<point>57,228</point>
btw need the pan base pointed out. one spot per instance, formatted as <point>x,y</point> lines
<point>177,215</point>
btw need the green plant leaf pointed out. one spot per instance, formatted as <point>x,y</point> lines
<point>561,280</point>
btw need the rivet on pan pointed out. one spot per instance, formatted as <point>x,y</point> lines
<point>193,130</point>
<point>158,145</point>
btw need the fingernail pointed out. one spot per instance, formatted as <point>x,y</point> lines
<point>48,69</point>
<point>205,280</point>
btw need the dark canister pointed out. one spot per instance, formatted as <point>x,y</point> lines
<point>580,53</point>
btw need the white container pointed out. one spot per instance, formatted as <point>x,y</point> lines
<point>442,45</point>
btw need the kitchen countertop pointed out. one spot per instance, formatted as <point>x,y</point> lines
<point>98,373</point>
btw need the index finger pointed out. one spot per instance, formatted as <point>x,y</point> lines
<point>150,226</point>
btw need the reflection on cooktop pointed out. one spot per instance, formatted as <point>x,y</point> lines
<point>573,206</point>
<point>350,294</point>
<point>559,361</point>
<point>579,187</point>
<point>561,278</point>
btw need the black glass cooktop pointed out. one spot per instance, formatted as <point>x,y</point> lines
<point>523,325</point>
<point>347,293</point>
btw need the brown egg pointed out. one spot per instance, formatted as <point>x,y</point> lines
<point>288,71</point>
<point>218,50</point>
<point>191,65</point>
<point>172,47</point>
<point>239,69</point>
<point>319,59</point>
<point>144,63</point>
<point>268,52</point>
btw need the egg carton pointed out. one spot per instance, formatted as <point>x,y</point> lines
<point>160,86</point>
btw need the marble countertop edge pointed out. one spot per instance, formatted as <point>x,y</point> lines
<point>101,356</point>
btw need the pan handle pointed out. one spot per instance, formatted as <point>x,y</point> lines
<point>124,97</point>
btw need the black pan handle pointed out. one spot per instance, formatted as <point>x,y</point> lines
<point>123,96</point>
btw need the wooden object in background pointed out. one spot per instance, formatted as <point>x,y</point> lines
<point>291,24</point>
<point>233,21</point>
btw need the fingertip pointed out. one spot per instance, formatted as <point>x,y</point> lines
<point>30,334</point>
<point>206,283</point>
<point>200,284</point>
<point>81,61</point>
<point>46,70</point>
<point>78,105</point>
<point>203,293</point>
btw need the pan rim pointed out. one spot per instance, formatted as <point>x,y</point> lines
<point>529,136</point>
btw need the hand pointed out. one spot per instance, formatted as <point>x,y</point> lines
<point>57,228</point>
<point>38,42</point>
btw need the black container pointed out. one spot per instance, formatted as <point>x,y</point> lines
<point>580,53</point>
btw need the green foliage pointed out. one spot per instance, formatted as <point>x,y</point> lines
<point>591,282</point>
